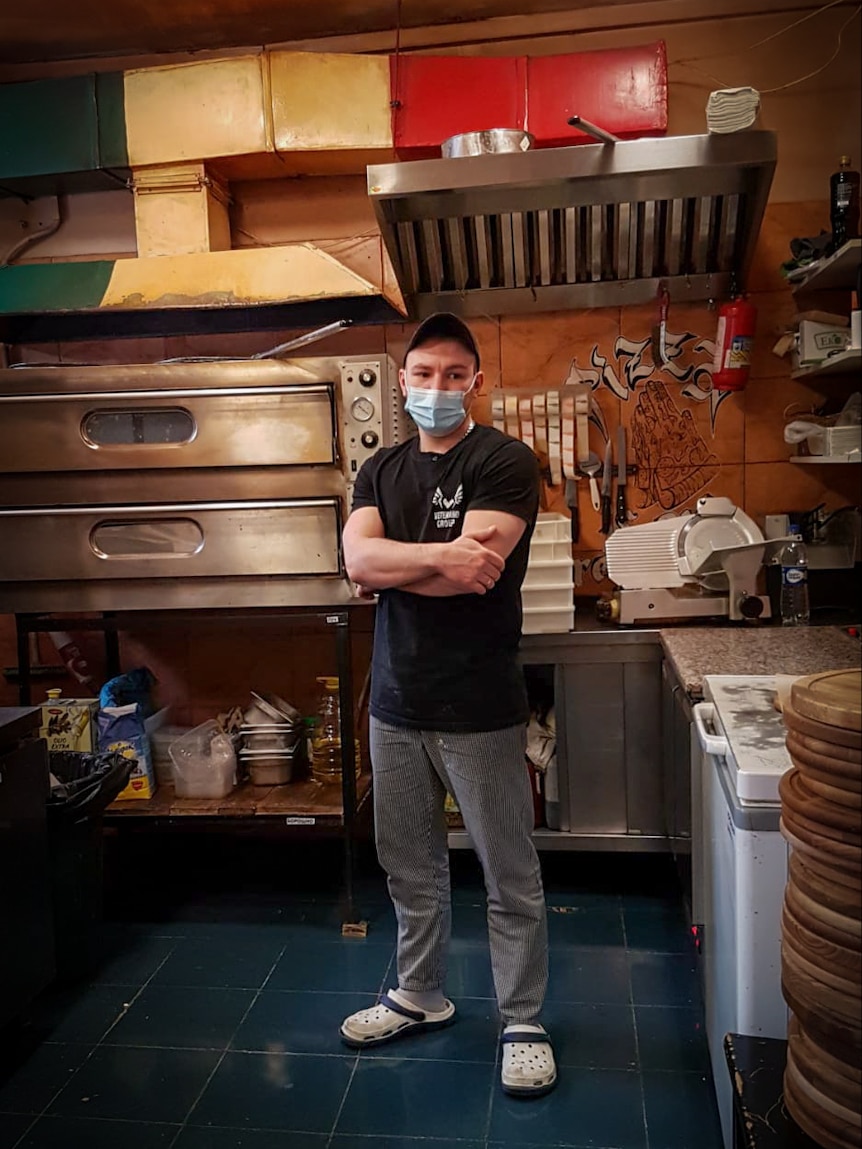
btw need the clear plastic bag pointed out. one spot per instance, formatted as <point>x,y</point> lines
<point>204,762</point>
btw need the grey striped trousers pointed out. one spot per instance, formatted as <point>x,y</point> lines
<point>487,776</point>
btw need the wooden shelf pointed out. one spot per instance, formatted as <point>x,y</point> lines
<point>845,363</point>
<point>309,803</point>
<point>837,272</point>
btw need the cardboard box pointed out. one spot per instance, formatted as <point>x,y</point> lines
<point>817,341</point>
<point>70,723</point>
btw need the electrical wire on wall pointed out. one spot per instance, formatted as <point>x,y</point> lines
<point>395,103</point>
<point>34,237</point>
<point>690,61</point>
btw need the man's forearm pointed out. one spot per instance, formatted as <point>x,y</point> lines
<point>384,563</point>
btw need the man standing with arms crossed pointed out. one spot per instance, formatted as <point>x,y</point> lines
<point>440,530</point>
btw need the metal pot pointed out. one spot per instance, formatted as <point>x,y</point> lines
<point>490,142</point>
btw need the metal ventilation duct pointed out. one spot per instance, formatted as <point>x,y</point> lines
<point>589,226</point>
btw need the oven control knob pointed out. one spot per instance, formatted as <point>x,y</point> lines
<point>750,606</point>
<point>362,409</point>
<point>369,439</point>
<point>367,377</point>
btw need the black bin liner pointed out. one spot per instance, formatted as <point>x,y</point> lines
<point>89,783</point>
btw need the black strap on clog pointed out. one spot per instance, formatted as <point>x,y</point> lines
<point>526,1037</point>
<point>397,1007</point>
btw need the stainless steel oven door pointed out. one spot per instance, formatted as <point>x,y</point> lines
<point>202,427</point>
<point>284,537</point>
<point>239,413</point>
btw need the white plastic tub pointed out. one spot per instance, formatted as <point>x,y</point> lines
<point>550,572</point>
<point>204,762</point>
<point>548,620</point>
<point>552,528</point>
<point>547,597</point>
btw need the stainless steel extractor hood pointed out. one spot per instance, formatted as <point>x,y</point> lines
<point>588,226</point>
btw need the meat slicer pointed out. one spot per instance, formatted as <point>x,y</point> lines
<point>701,565</point>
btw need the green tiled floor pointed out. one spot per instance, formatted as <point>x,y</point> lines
<point>212,1020</point>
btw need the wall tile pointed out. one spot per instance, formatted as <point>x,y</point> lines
<point>110,351</point>
<point>591,579</point>
<point>165,652</point>
<point>769,405</point>
<point>537,350</point>
<point>781,223</point>
<point>776,314</point>
<point>654,492</point>
<point>771,488</point>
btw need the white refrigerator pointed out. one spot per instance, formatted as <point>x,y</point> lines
<point>739,866</point>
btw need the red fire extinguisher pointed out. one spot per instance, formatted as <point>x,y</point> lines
<point>734,339</point>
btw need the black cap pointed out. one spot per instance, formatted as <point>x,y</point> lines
<point>443,325</point>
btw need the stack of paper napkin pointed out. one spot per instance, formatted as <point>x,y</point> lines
<point>732,109</point>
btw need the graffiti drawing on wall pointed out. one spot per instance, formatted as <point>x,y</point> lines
<point>634,367</point>
<point>674,459</point>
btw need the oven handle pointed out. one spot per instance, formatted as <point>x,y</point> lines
<point>128,510</point>
<point>167,395</point>
<point>713,744</point>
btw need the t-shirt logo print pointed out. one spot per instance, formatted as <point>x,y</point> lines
<point>447,511</point>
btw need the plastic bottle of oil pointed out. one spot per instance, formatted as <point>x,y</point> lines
<point>326,736</point>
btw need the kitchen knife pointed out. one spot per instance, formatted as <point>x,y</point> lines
<point>606,488</point>
<point>572,503</point>
<point>620,518</point>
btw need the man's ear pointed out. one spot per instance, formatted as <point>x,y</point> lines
<point>402,381</point>
<point>480,380</point>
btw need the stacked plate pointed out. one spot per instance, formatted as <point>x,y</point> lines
<point>821,927</point>
<point>270,737</point>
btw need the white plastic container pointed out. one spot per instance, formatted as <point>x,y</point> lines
<point>552,538</point>
<point>547,597</point>
<point>204,762</point>
<point>161,740</point>
<point>548,619</point>
<point>550,572</point>
<point>551,527</point>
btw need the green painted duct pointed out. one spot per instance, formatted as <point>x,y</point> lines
<point>62,135</point>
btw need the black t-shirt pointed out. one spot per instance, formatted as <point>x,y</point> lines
<point>450,663</point>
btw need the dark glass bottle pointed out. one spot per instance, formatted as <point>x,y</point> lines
<point>844,203</point>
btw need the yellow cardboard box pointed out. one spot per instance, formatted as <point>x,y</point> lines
<point>69,723</point>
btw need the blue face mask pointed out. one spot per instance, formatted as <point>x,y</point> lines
<point>437,413</point>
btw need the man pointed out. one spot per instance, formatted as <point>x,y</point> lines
<point>440,529</point>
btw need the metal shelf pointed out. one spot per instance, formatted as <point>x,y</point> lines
<point>835,273</point>
<point>811,460</point>
<point>845,363</point>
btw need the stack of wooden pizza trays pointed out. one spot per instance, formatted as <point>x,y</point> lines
<point>821,943</point>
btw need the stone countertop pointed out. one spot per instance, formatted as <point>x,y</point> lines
<point>696,651</point>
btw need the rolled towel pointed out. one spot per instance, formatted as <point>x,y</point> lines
<point>732,109</point>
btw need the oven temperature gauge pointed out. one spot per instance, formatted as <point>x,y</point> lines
<point>362,409</point>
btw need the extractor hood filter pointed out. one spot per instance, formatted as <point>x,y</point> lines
<point>588,226</point>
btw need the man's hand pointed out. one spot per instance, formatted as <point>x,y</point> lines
<point>469,565</point>
<point>363,591</point>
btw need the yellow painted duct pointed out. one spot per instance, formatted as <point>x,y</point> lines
<point>290,103</point>
<point>180,209</point>
<point>328,102</point>
<point>193,127</point>
<point>198,111</point>
<point>301,272</point>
